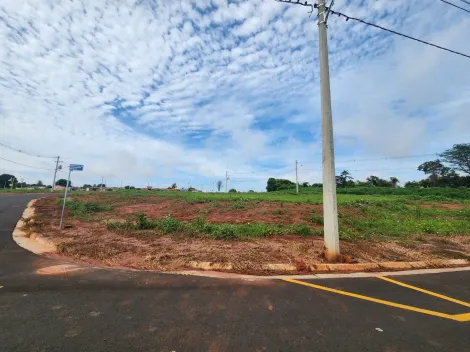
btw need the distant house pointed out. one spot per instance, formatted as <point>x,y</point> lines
<point>59,188</point>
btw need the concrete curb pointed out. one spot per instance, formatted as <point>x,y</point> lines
<point>40,245</point>
<point>34,243</point>
<point>346,268</point>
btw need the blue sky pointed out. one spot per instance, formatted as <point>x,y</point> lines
<point>183,91</point>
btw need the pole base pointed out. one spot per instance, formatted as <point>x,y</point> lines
<point>330,257</point>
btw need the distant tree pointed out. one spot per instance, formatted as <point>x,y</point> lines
<point>127,187</point>
<point>251,191</point>
<point>173,185</point>
<point>131,187</point>
<point>279,184</point>
<point>8,181</point>
<point>435,169</point>
<point>459,157</point>
<point>101,185</point>
<point>85,186</point>
<point>232,190</point>
<point>39,183</point>
<point>63,182</point>
<point>394,182</point>
<point>317,185</point>
<point>305,184</point>
<point>344,179</point>
<point>377,181</point>
<point>219,185</point>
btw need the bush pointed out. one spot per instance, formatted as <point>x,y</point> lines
<point>169,224</point>
<point>224,232</point>
<point>77,207</point>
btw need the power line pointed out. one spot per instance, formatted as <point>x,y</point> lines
<point>26,153</point>
<point>339,14</point>
<point>407,168</point>
<point>465,2</point>
<point>457,6</point>
<point>378,159</point>
<point>33,167</point>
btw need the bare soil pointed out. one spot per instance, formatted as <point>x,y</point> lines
<point>227,212</point>
<point>91,242</point>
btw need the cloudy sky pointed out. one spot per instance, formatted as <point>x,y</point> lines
<point>182,91</point>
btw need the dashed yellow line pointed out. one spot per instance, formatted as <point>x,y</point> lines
<point>458,317</point>
<point>424,291</point>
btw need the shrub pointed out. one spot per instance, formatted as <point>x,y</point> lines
<point>169,224</point>
<point>224,232</point>
<point>316,219</point>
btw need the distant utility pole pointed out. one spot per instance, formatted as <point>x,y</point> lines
<point>296,178</point>
<point>330,209</point>
<point>226,179</point>
<point>55,173</point>
<point>101,185</point>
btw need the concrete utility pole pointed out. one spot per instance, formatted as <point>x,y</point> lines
<point>330,209</point>
<point>226,179</point>
<point>296,179</point>
<point>55,174</point>
<point>101,186</point>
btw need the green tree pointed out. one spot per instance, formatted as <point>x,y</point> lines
<point>219,185</point>
<point>39,183</point>
<point>63,182</point>
<point>394,182</point>
<point>377,181</point>
<point>305,184</point>
<point>344,179</point>
<point>8,181</point>
<point>279,184</point>
<point>458,156</point>
<point>232,190</point>
<point>435,169</point>
<point>173,185</point>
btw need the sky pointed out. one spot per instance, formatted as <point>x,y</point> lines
<point>155,92</point>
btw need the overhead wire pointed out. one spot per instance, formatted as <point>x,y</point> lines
<point>378,159</point>
<point>33,167</point>
<point>26,153</point>
<point>339,14</point>
<point>461,8</point>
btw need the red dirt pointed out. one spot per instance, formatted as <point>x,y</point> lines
<point>91,242</point>
<point>266,212</point>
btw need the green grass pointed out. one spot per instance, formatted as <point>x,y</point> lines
<point>200,226</point>
<point>24,190</point>
<point>388,214</point>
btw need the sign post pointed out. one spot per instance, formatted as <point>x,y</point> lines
<point>72,167</point>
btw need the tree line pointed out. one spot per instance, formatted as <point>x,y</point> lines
<point>446,171</point>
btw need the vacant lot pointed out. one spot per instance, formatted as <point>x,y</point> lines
<point>166,230</point>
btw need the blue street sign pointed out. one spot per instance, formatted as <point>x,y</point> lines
<point>75,167</point>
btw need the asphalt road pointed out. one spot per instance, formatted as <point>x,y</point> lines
<point>118,310</point>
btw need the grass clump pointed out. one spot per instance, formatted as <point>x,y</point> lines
<point>79,208</point>
<point>200,226</point>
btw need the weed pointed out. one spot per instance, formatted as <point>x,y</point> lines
<point>224,232</point>
<point>169,224</point>
<point>316,219</point>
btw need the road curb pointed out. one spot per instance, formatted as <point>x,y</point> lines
<point>32,242</point>
<point>338,268</point>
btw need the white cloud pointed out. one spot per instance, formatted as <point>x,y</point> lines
<point>159,90</point>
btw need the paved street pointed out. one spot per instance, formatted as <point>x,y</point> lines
<point>119,310</point>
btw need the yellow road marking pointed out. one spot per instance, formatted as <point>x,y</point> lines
<point>425,291</point>
<point>458,317</point>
